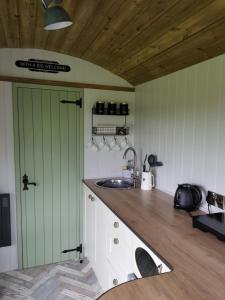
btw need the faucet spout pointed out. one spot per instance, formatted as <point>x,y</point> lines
<point>135,163</point>
<point>135,156</point>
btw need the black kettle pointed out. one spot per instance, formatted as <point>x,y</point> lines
<point>187,197</point>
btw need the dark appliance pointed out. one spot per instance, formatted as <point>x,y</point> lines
<point>187,197</point>
<point>5,226</point>
<point>214,223</point>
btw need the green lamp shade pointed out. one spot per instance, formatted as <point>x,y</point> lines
<point>56,18</point>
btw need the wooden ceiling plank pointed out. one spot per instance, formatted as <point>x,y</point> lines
<point>3,40</point>
<point>5,22</point>
<point>172,18</point>
<point>102,14</point>
<point>190,26</point>
<point>196,44</point>
<point>84,11</point>
<point>27,10</point>
<point>131,76</point>
<point>13,22</point>
<point>126,13</point>
<point>139,23</point>
<point>204,45</point>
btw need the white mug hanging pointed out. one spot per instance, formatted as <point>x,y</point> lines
<point>124,143</point>
<point>93,145</point>
<point>106,147</point>
<point>117,145</point>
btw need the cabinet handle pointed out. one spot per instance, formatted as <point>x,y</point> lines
<point>116,224</point>
<point>91,197</point>
<point>116,241</point>
<point>115,281</point>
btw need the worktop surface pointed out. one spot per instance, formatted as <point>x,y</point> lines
<point>197,258</point>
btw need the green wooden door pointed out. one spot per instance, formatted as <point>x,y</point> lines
<point>49,149</point>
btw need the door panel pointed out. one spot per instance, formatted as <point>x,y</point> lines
<point>56,176</point>
<point>38,175</point>
<point>50,145</point>
<point>64,163</point>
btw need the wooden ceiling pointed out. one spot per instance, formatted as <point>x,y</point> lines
<point>138,40</point>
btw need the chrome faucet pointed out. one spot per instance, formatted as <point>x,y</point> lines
<point>135,177</point>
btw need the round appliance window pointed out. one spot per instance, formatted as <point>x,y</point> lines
<point>145,263</point>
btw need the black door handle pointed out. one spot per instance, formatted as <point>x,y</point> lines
<point>26,183</point>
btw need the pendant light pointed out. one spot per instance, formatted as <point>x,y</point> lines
<point>55,17</point>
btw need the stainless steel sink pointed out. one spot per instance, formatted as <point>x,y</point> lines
<point>114,183</point>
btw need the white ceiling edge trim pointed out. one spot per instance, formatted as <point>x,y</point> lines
<point>81,70</point>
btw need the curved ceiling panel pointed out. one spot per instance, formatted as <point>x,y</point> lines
<point>138,40</point>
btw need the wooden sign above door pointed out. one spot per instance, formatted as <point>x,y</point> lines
<point>38,65</point>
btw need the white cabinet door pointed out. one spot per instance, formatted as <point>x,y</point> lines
<point>95,241</point>
<point>101,243</point>
<point>114,278</point>
<point>119,245</point>
<point>89,225</point>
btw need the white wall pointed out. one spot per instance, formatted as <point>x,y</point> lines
<point>8,255</point>
<point>181,118</point>
<point>81,70</point>
<point>105,164</point>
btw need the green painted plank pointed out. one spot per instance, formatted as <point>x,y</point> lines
<point>73,175</point>
<point>78,173</point>
<point>64,142</point>
<point>29,170</point>
<point>47,174</point>
<point>22,170</point>
<point>80,115</point>
<point>38,176</point>
<point>56,166</point>
<point>17,175</point>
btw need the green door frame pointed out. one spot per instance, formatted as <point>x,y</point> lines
<point>17,158</point>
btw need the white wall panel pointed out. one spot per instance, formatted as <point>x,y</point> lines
<point>8,255</point>
<point>181,118</point>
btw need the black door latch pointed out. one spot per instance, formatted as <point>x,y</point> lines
<point>78,249</point>
<point>26,183</point>
<point>76,102</point>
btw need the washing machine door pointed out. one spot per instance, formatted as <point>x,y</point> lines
<point>145,263</point>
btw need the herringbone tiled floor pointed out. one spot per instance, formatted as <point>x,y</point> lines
<point>62,281</point>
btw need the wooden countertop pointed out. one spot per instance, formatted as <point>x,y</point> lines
<point>197,258</point>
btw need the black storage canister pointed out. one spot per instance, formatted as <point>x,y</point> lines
<point>124,108</point>
<point>100,107</point>
<point>111,108</point>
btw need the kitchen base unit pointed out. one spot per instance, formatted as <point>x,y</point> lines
<point>115,252</point>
